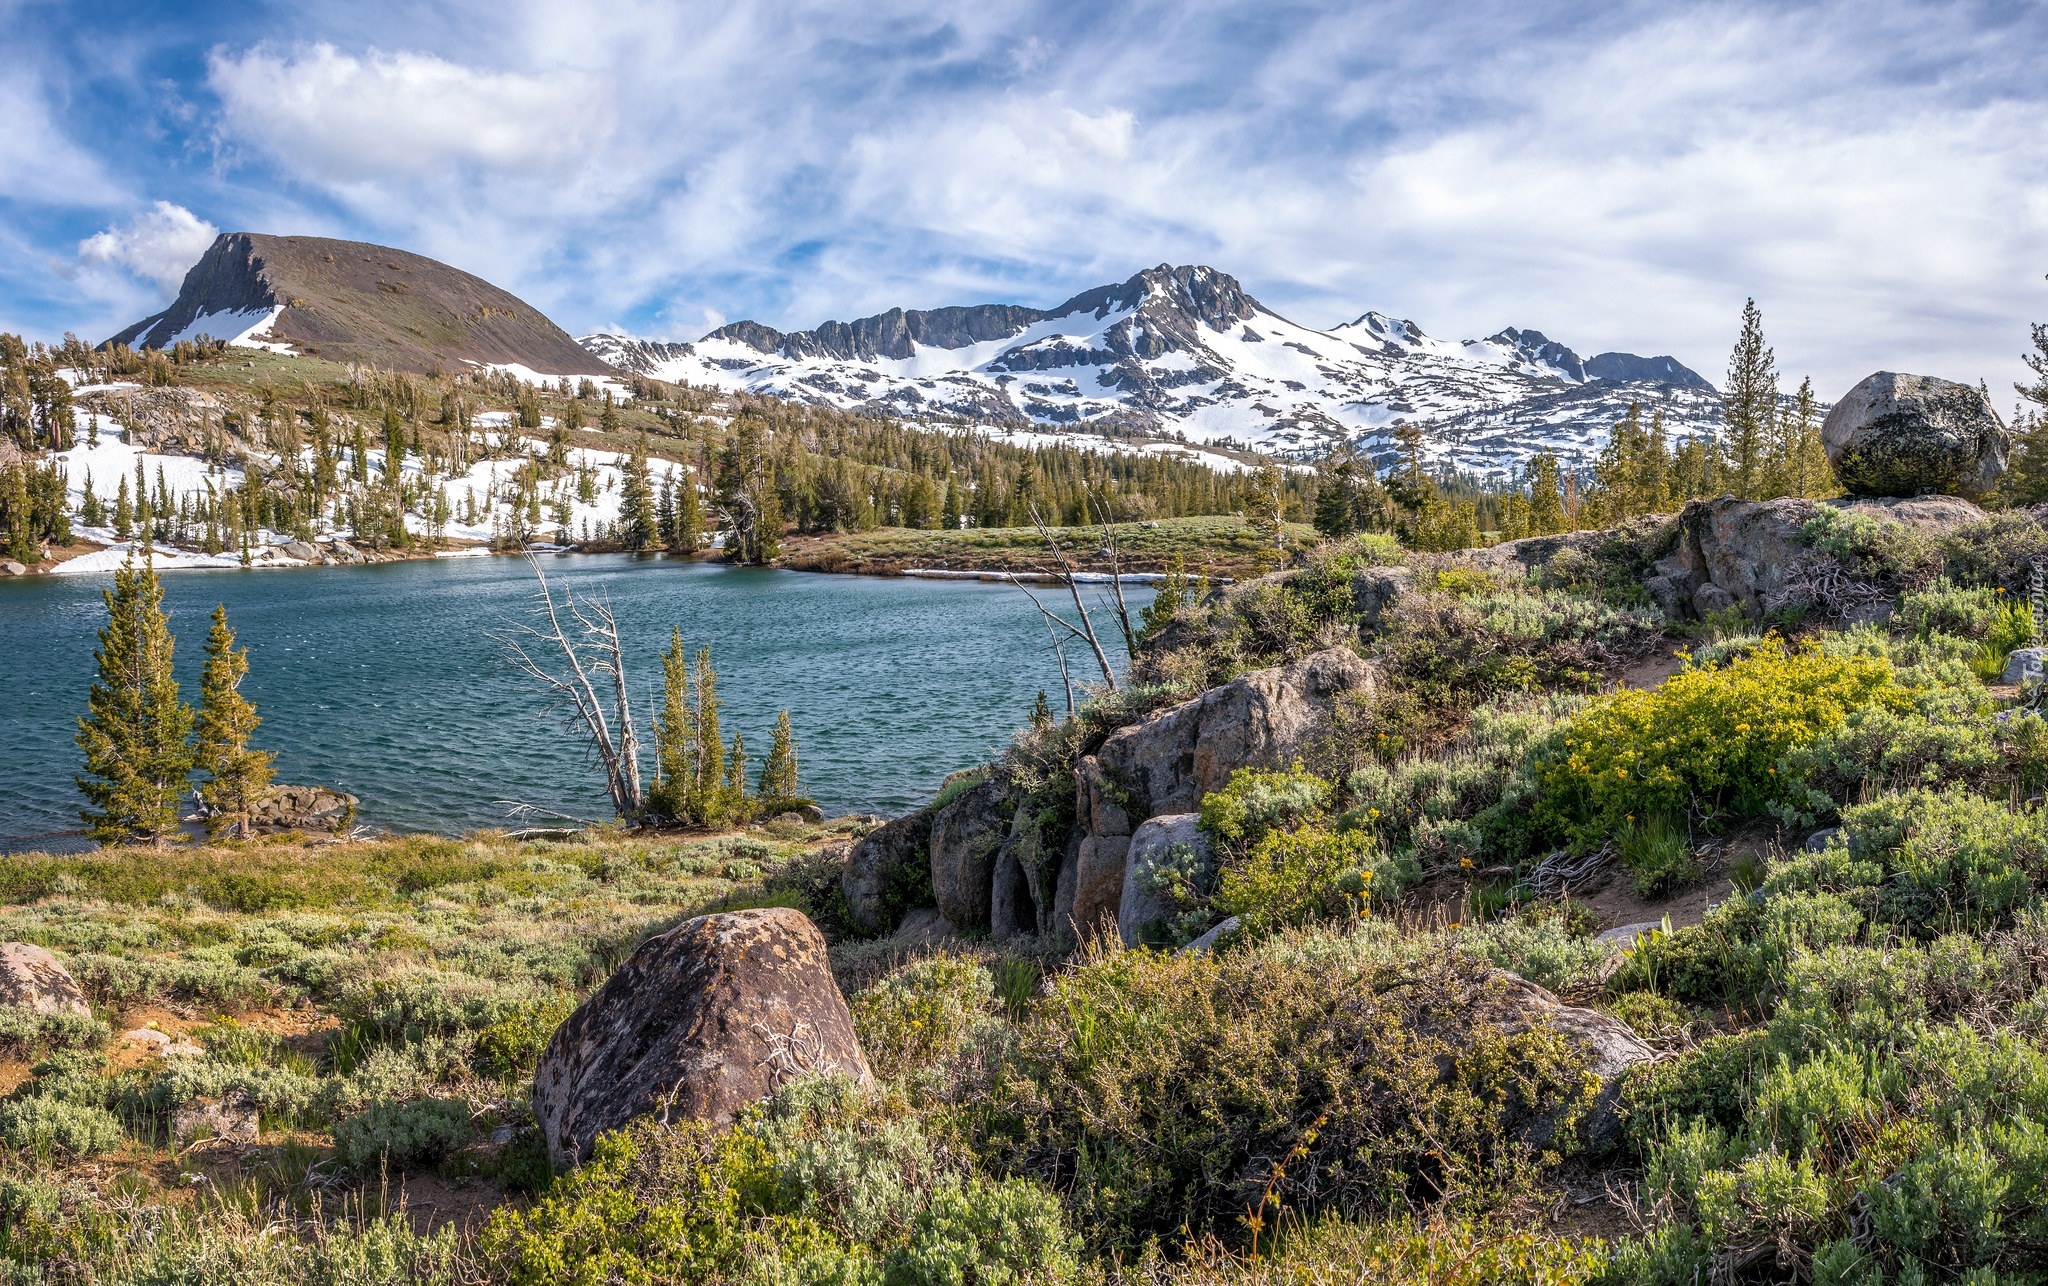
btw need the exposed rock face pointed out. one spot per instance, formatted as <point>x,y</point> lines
<point>884,858</point>
<point>1914,435</point>
<point>1376,589</point>
<point>1611,1046</point>
<point>1154,842</point>
<point>966,835</point>
<point>32,978</point>
<point>1749,553</point>
<point>1166,764</point>
<point>701,1021</point>
<point>2025,665</point>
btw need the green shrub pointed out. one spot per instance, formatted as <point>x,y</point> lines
<point>26,1033</point>
<point>1290,879</point>
<point>1544,948</point>
<point>1256,802</point>
<point>509,1049</point>
<point>982,1233</point>
<point>403,1135</point>
<point>1655,850</point>
<point>1162,1091</point>
<point>921,1013</point>
<point>1707,741</point>
<point>1946,608</point>
<point>38,1126</point>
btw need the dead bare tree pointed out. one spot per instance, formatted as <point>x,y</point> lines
<point>1086,629</point>
<point>594,661</point>
<point>1116,576</point>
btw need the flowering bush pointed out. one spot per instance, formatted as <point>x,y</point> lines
<point>1708,740</point>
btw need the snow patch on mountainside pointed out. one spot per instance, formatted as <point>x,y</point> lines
<point>1185,354</point>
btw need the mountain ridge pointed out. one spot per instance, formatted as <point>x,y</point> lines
<point>1186,351</point>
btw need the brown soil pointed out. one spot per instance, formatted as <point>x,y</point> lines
<point>1652,670</point>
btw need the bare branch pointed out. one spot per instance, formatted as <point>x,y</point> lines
<point>1116,578</point>
<point>1087,627</point>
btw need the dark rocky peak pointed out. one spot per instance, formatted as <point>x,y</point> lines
<point>1627,368</point>
<point>1389,330</point>
<point>898,333</point>
<point>1539,349</point>
<point>1199,294</point>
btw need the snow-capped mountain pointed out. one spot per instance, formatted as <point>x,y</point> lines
<point>1186,352</point>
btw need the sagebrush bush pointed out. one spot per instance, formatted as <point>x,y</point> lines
<point>1256,802</point>
<point>38,1126</point>
<point>403,1135</point>
<point>921,1013</point>
<point>1547,949</point>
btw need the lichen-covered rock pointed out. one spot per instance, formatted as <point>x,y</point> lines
<point>231,1119</point>
<point>966,835</point>
<point>1914,435</point>
<point>1098,884</point>
<point>2025,665</point>
<point>698,1023</point>
<point>895,855</point>
<point>1143,911</point>
<point>1752,554</point>
<point>32,978</point>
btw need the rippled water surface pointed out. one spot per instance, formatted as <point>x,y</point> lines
<point>384,682</point>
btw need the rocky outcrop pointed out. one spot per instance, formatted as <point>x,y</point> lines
<point>31,978</point>
<point>1376,589</point>
<point>1914,435</point>
<point>894,856</point>
<point>966,836</point>
<point>1167,763</point>
<point>698,1023</point>
<point>1033,888</point>
<point>1141,911</point>
<point>1753,554</point>
<point>302,808</point>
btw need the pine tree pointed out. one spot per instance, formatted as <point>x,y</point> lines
<point>637,523</point>
<point>689,529</point>
<point>235,774</point>
<point>709,750</point>
<point>733,799</point>
<point>675,735</point>
<point>90,511</point>
<point>1333,512</point>
<point>779,770</point>
<point>1805,471</point>
<point>1546,506</point>
<point>135,727</point>
<point>1750,407</point>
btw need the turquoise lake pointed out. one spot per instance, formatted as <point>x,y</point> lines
<point>384,681</point>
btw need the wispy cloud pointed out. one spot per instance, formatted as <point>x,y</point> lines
<point>1619,176</point>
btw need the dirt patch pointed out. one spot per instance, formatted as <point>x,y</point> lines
<point>1652,670</point>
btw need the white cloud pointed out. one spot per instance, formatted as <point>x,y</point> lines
<point>337,118</point>
<point>159,244</point>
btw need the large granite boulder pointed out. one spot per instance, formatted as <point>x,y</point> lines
<point>1752,553</point>
<point>1142,910</point>
<point>890,857</point>
<point>698,1023</point>
<point>966,835</point>
<point>1914,435</point>
<point>1033,888</point>
<point>31,978</point>
<point>1166,764</point>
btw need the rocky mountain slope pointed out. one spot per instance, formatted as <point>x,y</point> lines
<point>1185,351</point>
<point>353,302</point>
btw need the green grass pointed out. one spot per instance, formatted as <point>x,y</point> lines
<point>1218,545</point>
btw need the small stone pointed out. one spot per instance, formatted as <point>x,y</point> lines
<point>13,568</point>
<point>1626,935</point>
<point>1819,839</point>
<point>232,1119</point>
<point>2026,665</point>
<point>1208,941</point>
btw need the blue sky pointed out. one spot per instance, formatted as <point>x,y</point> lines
<point>1618,175</point>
